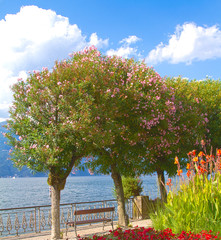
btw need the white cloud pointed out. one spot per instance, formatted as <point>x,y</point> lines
<point>34,38</point>
<point>130,40</point>
<point>125,50</point>
<point>189,43</point>
<point>98,42</point>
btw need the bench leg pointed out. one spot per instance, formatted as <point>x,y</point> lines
<point>66,232</point>
<point>75,230</point>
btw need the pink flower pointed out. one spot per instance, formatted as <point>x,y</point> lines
<point>157,98</point>
<point>206,119</point>
<point>197,100</point>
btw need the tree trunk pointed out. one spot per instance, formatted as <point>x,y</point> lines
<point>57,184</point>
<point>55,212</point>
<point>123,217</point>
<point>161,182</point>
<point>57,180</point>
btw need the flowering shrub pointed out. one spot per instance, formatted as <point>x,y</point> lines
<point>195,206</point>
<point>150,233</point>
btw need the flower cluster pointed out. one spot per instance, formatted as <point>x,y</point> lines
<point>151,234</point>
<point>201,163</point>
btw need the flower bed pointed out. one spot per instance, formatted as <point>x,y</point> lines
<point>150,234</point>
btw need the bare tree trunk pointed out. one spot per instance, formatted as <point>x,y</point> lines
<point>161,182</point>
<point>57,179</point>
<point>123,217</point>
<point>55,212</point>
<point>57,184</point>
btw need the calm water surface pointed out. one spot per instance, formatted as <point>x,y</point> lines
<point>21,192</point>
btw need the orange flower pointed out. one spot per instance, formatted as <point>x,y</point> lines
<point>179,172</point>
<point>188,166</point>
<point>218,152</point>
<point>195,159</point>
<point>169,182</point>
<point>193,153</point>
<point>201,154</point>
<point>176,160</point>
<point>202,170</point>
<point>188,173</point>
<point>202,162</point>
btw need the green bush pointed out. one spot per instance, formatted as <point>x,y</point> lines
<point>132,187</point>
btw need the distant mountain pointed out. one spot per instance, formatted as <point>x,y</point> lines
<point>6,165</point>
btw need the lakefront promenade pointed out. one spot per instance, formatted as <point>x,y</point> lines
<point>35,222</point>
<point>83,231</point>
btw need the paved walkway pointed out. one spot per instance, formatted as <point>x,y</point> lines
<point>82,231</point>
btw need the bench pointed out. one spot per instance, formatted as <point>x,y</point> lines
<point>89,216</point>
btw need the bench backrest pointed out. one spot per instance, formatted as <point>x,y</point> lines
<point>94,210</point>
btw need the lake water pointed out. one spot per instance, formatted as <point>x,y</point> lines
<point>23,192</point>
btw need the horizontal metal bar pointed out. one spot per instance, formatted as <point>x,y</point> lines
<point>62,204</point>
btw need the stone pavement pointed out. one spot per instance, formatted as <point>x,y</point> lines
<point>81,230</point>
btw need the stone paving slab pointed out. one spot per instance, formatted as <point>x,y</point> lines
<point>82,231</point>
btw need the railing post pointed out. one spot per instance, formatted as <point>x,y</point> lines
<point>39,219</point>
<point>35,216</point>
<point>75,208</point>
<point>71,211</point>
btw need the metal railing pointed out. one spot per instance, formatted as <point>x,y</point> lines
<point>36,219</point>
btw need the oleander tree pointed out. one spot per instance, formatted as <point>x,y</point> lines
<point>50,123</point>
<point>185,129</point>
<point>134,109</point>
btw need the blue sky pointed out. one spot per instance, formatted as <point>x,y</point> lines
<point>176,37</point>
